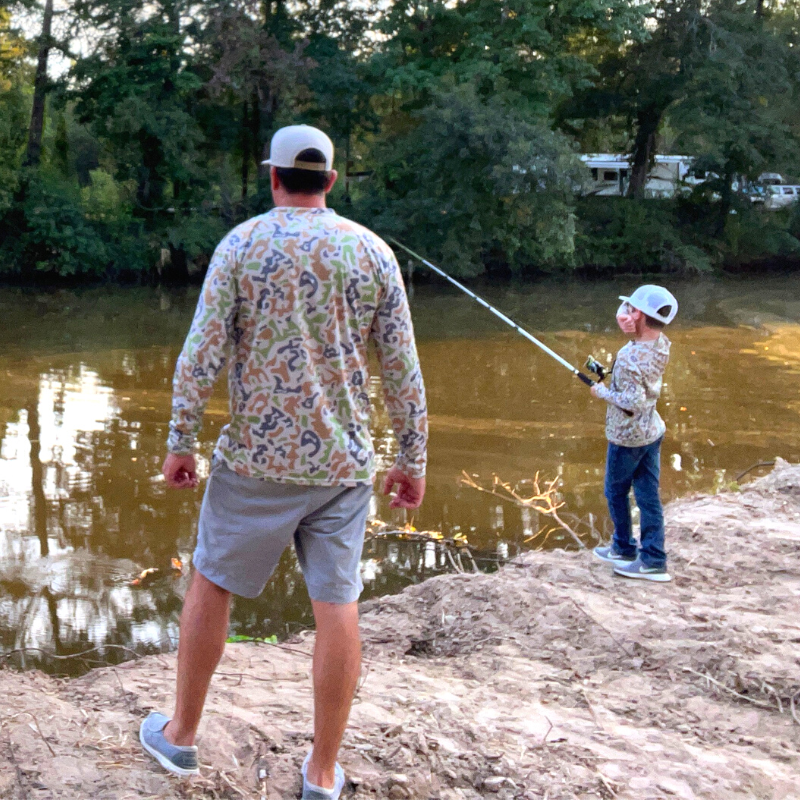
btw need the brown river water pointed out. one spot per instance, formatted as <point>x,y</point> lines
<point>84,406</point>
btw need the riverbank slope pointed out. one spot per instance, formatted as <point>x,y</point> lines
<point>550,679</point>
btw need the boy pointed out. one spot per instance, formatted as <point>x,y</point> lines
<point>634,441</point>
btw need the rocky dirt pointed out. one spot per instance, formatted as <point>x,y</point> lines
<point>550,679</point>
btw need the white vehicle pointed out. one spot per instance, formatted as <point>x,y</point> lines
<point>781,196</point>
<point>769,179</point>
<point>610,175</point>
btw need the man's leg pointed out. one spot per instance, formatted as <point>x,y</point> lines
<point>620,466</point>
<point>646,489</point>
<point>204,628</point>
<point>337,667</point>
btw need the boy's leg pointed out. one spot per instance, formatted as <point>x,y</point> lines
<point>645,487</point>
<point>621,463</point>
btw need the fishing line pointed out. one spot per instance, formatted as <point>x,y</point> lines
<point>500,315</point>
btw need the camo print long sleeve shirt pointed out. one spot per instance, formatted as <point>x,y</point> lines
<point>290,303</point>
<point>636,385</point>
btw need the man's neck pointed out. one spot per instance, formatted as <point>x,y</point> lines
<point>288,200</point>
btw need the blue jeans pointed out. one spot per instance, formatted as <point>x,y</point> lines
<point>638,467</point>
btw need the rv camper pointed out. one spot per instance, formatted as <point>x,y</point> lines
<point>609,175</point>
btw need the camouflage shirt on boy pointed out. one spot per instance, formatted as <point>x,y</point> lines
<point>291,300</point>
<point>636,386</point>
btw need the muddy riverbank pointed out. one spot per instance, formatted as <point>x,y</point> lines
<point>550,679</point>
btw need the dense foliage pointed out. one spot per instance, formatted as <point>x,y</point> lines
<point>132,131</point>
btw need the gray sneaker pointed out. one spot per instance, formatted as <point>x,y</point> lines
<point>638,570</point>
<point>179,760</point>
<point>611,556</point>
<point>311,792</point>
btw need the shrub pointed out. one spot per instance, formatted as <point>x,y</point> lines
<point>64,231</point>
<point>620,234</point>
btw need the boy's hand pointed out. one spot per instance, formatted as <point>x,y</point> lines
<point>593,390</point>
<point>627,321</point>
<point>180,472</point>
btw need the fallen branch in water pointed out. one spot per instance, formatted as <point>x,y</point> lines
<point>754,466</point>
<point>544,499</point>
<point>453,546</point>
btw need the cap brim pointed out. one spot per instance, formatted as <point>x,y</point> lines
<point>308,166</point>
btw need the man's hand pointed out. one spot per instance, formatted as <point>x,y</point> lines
<point>594,389</point>
<point>180,472</point>
<point>410,491</point>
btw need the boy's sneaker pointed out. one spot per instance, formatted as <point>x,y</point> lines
<point>638,570</point>
<point>611,556</point>
<point>312,792</point>
<point>178,760</point>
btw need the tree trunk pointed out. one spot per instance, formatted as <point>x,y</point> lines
<point>648,120</point>
<point>245,153</point>
<point>40,88</point>
<point>178,271</point>
<point>255,132</point>
<point>725,205</point>
<point>37,477</point>
<point>150,190</point>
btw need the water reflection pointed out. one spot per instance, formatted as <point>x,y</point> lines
<point>84,407</point>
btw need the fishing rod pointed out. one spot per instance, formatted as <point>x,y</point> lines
<point>591,363</point>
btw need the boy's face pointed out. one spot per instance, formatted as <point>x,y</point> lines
<point>628,318</point>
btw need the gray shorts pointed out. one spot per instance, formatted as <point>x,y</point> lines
<point>247,523</point>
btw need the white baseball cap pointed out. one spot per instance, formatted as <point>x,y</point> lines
<point>287,144</point>
<point>655,301</point>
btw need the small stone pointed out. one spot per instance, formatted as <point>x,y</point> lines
<point>398,778</point>
<point>494,783</point>
<point>676,788</point>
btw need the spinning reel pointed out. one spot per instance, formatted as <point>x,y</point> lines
<point>596,368</point>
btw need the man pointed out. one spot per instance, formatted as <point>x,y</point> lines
<point>291,300</point>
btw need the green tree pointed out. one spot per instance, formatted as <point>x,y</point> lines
<point>466,153</point>
<point>476,183</point>
<point>14,79</point>
<point>637,82</point>
<point>739,113</point>
<point>137,92</point>
<point>255,69</point>
<point>531,52</point>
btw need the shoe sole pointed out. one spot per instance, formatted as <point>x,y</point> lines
<point>163,760</point>
<point>613,560</point>
<point>327,793</point>
<point>655,577</point>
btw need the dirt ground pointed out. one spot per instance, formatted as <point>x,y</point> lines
<point>550,679</point>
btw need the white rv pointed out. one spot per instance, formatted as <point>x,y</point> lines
<point>609,175</point>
